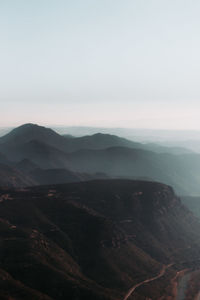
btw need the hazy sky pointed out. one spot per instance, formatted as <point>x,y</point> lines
<point>125,63</point>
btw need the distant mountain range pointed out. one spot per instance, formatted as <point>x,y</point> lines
<point>32,132</point>
<point>42,156</point>
<point>94,240</point>
<point>185,139</point>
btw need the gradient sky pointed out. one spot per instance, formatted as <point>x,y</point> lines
<point>131,63</point>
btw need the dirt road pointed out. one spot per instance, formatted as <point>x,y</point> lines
<point>162,272</point>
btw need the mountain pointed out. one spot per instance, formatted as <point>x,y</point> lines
<point>47,150</point>
<point>32,132</point>
<point>94,240</point>
<point>40,153</point>
<point>182,172</point>
<point>26,166</point>
<point>56,176</point>
<point>26,173</point>
<point>35,143</point>
<point>102,141</point>
<point>164,149</point>
<point>28,132</point>
<point>5,130</point>
<point>11,177</point>
<point>99,141</point>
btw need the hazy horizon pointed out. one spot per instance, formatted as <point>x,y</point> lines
<point>107,63</point>
<point>172,137</point>
<point>53,126</point>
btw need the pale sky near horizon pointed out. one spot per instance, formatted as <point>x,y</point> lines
<point>131,63</point>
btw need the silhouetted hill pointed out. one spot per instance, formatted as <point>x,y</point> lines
<point>102,141</point>
<point>48,150</point>
<point>93,240</point>
<point>29,132</point>
<point>99,141</point>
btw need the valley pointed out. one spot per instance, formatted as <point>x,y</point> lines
<point>87,218</point>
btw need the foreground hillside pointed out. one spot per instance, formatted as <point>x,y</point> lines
<point>93,240</point>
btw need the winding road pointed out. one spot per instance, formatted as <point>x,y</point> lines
<point>162,272</point>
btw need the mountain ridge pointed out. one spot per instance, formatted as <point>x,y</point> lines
<point>29,131</point>
<point>94,240</point>
<point>100,153</point>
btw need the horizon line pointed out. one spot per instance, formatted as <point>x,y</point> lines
<point>98,127</point>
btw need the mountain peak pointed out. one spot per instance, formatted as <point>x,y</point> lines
<point>28,132</point>
<point>28,126</point>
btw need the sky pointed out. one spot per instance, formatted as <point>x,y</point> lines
<point>114,63</point>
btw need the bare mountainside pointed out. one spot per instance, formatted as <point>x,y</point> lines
<point>93,240</point>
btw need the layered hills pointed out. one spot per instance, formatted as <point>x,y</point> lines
<point>28,132</point>
<point>65,159</point>
<point>66,235</point>
<point>93,240</point>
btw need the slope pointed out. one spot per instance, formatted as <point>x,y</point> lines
<point>94,240</point>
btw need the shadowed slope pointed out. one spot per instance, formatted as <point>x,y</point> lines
<point>94,240</point>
